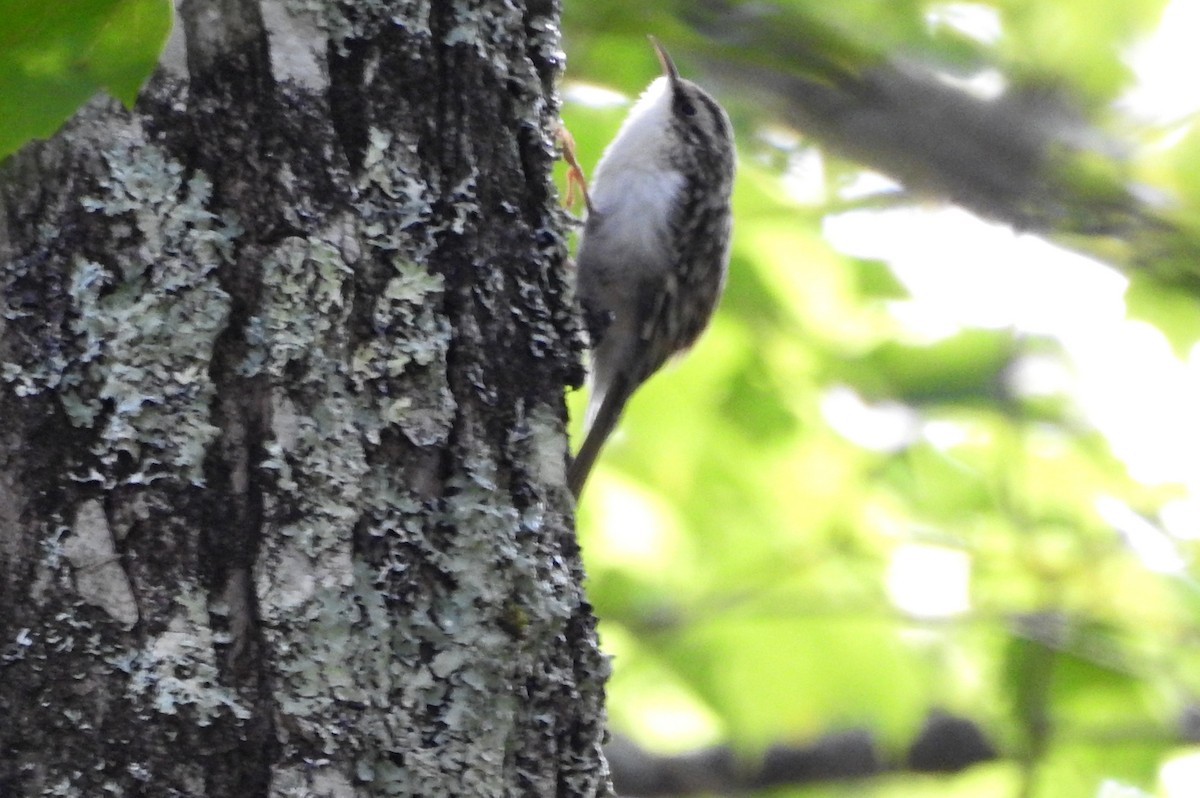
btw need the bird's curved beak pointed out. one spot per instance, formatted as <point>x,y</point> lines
<point>664,58</point>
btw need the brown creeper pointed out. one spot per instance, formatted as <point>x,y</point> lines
<point>653,254</point>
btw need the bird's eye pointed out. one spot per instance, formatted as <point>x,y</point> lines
<point>687,109</point>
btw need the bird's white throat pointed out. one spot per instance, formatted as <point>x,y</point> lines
<point>635,186</point>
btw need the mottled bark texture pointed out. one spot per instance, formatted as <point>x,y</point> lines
<point>282,352</point>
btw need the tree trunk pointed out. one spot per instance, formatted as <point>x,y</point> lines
<point>282,500</point>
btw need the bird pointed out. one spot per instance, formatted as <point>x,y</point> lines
<point>654,249</point>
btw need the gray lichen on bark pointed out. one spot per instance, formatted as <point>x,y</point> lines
<point>283,353</point>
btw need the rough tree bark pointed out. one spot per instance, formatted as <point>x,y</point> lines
<point>282,351</point>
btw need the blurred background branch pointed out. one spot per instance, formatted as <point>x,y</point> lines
<point>945,745</point>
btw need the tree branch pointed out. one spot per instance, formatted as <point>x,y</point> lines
<point>1027,156</point>
<point>945,744</point>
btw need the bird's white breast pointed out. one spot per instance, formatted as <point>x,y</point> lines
<point>635,187</point>
<point>635,208</point>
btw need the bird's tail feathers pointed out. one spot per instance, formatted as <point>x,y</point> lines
<point>604,410</point>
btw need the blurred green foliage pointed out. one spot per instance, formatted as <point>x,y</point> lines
<point>55,55</point>
<point>744,549</point>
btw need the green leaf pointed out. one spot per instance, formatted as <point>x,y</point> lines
<point>54,56</point>
<point>965,367</point>
<point>1170,309</point>
<point>1028,674</point>
<point>876,280</point>
<point>778,678</point>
